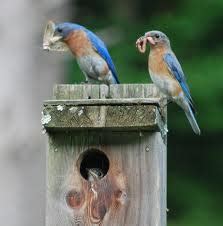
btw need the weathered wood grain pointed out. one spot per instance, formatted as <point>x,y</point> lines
<point>99,102</point>
<point>67,115</point>
<point>123,122</point>
<point>65,91</point>
<point>132,193</point>
<point>118,107</point>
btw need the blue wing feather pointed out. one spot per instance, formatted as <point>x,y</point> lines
<point>177,72</point>
<point>103,52</point>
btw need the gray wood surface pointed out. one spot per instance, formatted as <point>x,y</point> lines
<point>133,191</point>
<point>123,107</point>
<point>65,91</point>
<point>133,117</point>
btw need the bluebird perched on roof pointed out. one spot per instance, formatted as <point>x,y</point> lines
<point>167,74</point>
<point>90,52</point>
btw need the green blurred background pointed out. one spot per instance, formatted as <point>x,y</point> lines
<point>194,27</point>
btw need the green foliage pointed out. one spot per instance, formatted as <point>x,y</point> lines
<point>195,30</point>
<point>194,203</point>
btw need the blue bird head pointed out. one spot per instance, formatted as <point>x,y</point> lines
<point>64,29</point>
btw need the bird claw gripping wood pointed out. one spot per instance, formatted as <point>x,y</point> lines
<point>162,105</point>
<point>163,113</point>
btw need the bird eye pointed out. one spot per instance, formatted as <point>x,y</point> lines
<point>157,36</point>
<point>59,30</point>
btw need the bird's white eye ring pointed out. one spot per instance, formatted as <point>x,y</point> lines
<point>157,36</point>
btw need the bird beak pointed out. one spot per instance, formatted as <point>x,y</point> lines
<point>47,45</point>
<point>51,37</point>
<point>56,37</point>
<point>149,38</point>
<point>142,41</point>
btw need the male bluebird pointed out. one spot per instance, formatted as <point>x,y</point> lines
<point>167,74</point>
<point>90,52</point>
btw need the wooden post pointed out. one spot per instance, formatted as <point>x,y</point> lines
<point>106,156</point>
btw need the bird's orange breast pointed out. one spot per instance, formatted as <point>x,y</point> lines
<point>79,43</point>
<point>158,68</point>
<point>156,62</point>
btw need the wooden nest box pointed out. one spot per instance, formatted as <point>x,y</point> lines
<point>106,156</point>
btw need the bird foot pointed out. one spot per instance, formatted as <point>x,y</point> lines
<point>163,104</point>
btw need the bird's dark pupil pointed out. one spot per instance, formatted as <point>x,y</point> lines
<point>157,36</point>
<point>59,30</point>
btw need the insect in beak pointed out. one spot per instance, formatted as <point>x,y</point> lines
<point>52,41</point>
<point>141,44</point>
<point>150,40</point>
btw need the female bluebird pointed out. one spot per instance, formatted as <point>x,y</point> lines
<point>90,52</point>
<point>167,74</point>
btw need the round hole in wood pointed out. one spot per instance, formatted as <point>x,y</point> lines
<point>94,164</point>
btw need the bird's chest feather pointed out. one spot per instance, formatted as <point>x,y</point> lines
<point>79,43</point>
<point>160,74</point>
<point>156,63</point>
<point>89,63</point>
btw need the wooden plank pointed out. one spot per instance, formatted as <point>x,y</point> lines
<point>132,192</point>
<point>127,91</point>
<point>99,102</point>
<point>74,117</point>
<point>118,107</point>
<point>85,91</point>
<point>64,91</point>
